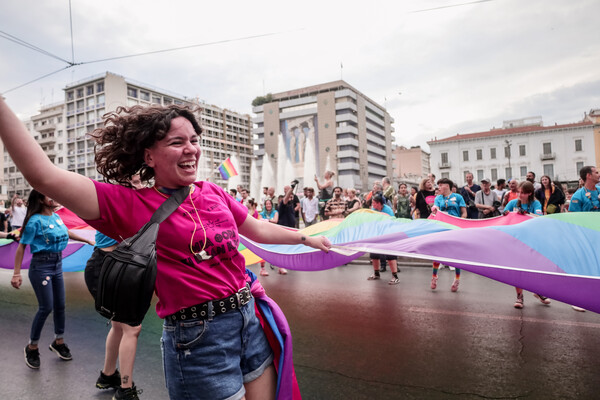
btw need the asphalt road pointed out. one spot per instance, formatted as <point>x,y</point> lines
<point>353,339</point>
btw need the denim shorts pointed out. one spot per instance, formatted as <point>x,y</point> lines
<point>212,359</point>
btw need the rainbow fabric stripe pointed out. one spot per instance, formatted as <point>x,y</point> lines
<point>227,170</point>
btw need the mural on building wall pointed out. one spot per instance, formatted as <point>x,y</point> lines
<point>301,142</point>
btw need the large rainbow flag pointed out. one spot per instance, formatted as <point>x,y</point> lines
<point>227,169</point>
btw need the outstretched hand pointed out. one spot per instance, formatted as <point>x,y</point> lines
<point>318,242</point>
<point>16,281</point>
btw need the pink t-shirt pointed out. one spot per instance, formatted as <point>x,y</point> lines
<point>181,280</point>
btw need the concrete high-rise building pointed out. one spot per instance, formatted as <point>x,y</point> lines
<point>351,134</point>
<point>63,129</point>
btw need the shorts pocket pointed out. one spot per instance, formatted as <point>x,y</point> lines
<point>189,334</point>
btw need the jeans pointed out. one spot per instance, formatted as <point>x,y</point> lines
<point>212,359</point>
<point>46,277</point>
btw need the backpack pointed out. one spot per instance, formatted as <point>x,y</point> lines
<point>128,274</point>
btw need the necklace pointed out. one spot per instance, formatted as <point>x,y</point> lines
<point>201,255</point>
<point>48,225</point>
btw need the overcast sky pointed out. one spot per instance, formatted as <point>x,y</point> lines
<point>440,67</point>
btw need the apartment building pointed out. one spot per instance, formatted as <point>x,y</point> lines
<point>63,129</point>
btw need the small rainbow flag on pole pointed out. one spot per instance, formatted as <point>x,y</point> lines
<point>227,169</point>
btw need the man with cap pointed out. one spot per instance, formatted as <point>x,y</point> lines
<point>486,200</point>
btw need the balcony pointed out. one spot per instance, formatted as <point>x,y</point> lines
<point>47,140</point>
<point>547,156</point>
<point>444,165</point>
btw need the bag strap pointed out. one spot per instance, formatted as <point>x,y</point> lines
<point>170,205</point>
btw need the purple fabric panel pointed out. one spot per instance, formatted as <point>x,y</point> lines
<point>312,261</point>
<point>582,292</point>
<point>286,372</point>
<point>7,254</point>
<point>484,246</point>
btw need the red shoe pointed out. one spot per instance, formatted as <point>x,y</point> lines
<point>263,272</point>
<point>282,271</point>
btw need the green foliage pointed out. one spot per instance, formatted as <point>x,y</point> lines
<point>260,100</point>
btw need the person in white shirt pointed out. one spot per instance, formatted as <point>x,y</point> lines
<point>18,211</point>
<point>310,207</point>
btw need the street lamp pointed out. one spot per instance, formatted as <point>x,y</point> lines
<point>508,144</point>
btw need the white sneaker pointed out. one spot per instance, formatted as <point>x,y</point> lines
<point>578,308</point>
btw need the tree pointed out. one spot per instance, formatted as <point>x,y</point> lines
<point>260,100</point>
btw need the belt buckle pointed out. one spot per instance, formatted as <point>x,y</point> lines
<point>243,296</point>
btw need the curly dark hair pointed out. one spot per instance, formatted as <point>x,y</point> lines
<point>127,132</point>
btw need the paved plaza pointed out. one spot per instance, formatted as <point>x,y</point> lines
<point>353,339</point>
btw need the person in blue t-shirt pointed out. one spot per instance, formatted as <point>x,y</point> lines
<point>47,236</point>
<point>378,204</point>
<point>526,203</point>
<point>587,197</point>
<point>453,204</point>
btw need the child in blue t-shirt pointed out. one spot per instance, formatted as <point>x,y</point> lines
<point>47,236</point>
<point>453,204</point>
<point>526,203</point>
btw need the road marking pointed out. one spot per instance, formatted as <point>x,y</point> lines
<point>505,317</point>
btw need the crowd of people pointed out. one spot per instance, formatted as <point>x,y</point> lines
<point>473,200</point>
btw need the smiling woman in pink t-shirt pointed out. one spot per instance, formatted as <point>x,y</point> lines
<point>223,353</point>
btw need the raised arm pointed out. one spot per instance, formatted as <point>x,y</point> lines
<point>276,234</point>
<point>74,191</point>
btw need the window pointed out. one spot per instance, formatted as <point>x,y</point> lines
<point>58,120</point>
<point>465,155</point>
<point>578,167</point>
<point>522,150</point>
<point>70,95</point>
<point>479,175</point>
<point>446,175</point>
<point>508,173</point>
<point>89,90</point>
<point>70,107</point>
<point>507,152</point>
<point>79,92</point>
<point>144,95</point>
<point>547,150</point>
<point>479,154</point>
<point>578,145</point>
<point>99,87</point>
<point>444,158</point>
<point>494,174</point>
<point>156,100</point>
<point>167,101</point>
<point>60,160</point>
<point>493,153</point>
<point>549,170</point>
<point>91,101</point>
<point>132,92</point>
<point>80,104</point>
<point>523,171</point>
<point>100,99</point>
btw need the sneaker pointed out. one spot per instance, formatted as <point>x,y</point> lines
<point>519,302</point>
<point>61,350</point>
<point>373,277</point>
<point>454,286</point>
<point>282,271</point>
<point>541,298</point>
<point>434,282</point>
<point>109,381</point>
<point>394,281</point>
<point>578,308</point>
<point>127,393</point>
<point>32,357</point>
<point>264,272</point>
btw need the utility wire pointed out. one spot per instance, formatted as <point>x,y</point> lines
<point>71,24</point>
<point>450,6</point>
<point>30,46</point>
<point>181,48</point>
<point>37,79</point>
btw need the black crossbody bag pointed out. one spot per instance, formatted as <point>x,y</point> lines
<point>128,274</point>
